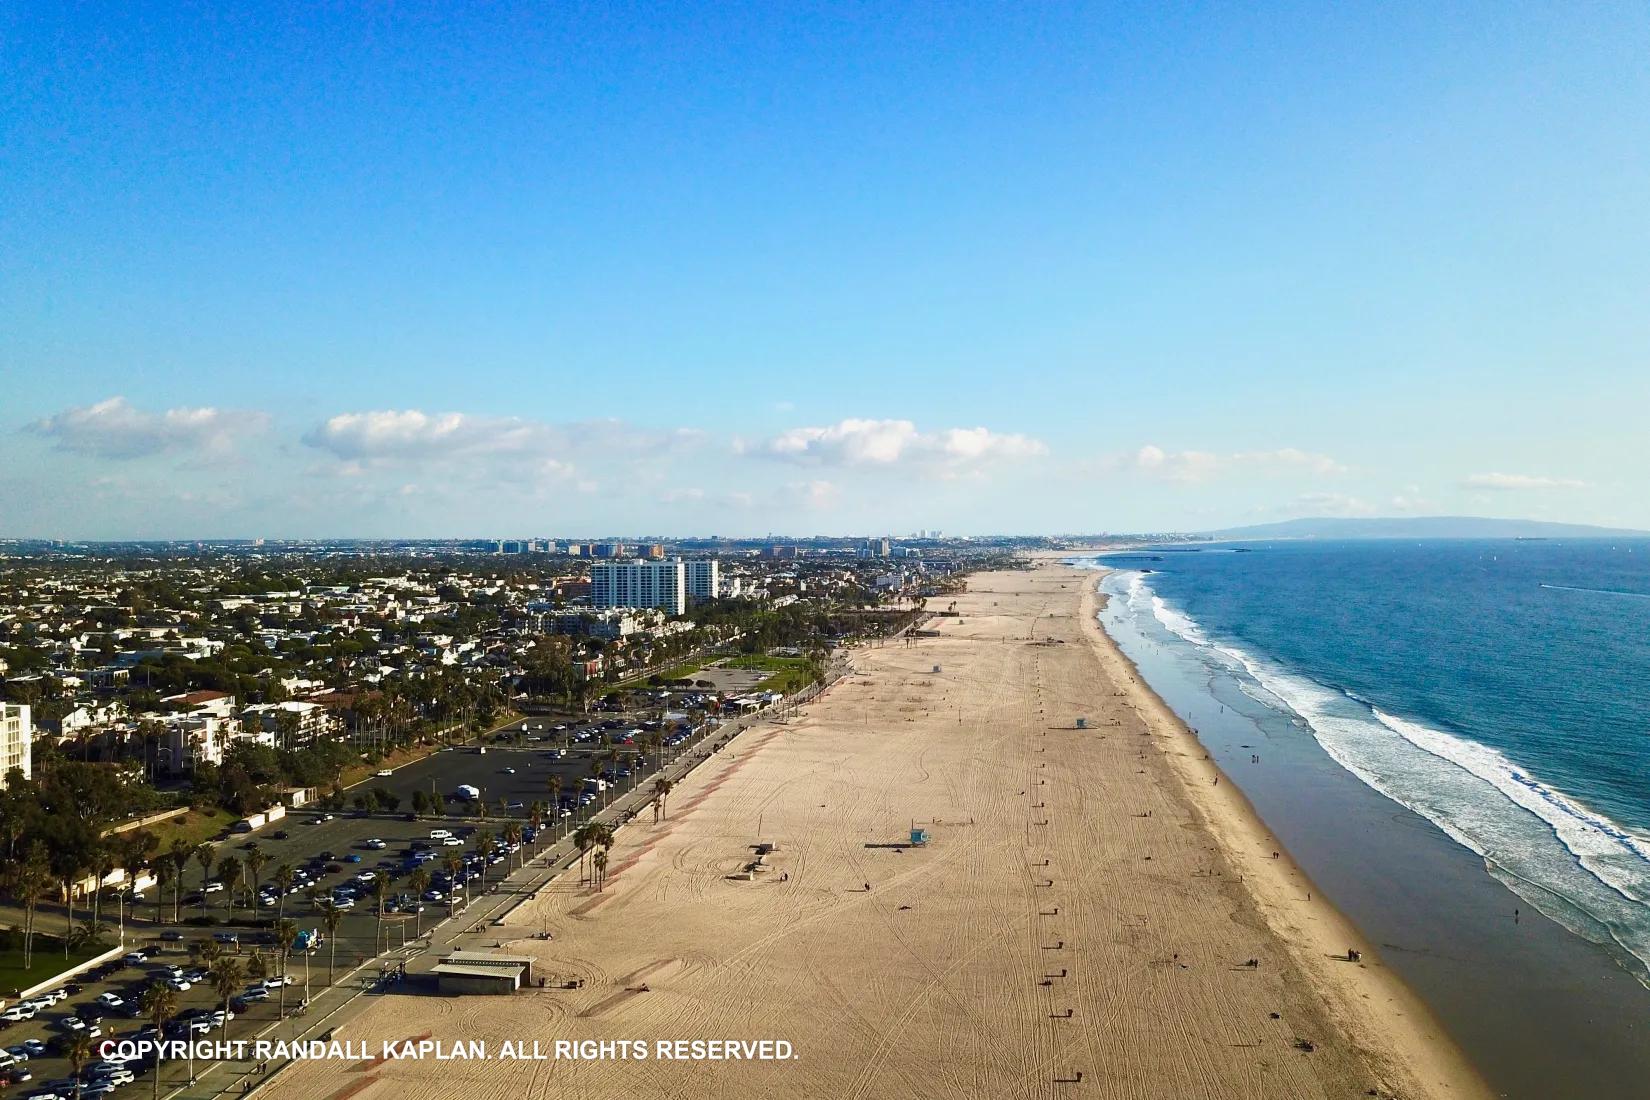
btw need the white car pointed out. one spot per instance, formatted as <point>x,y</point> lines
<point>343,902</point>
<point>376,844</point>
<point>384,773</point>
<point>180,984</point>
<point>278,981</point>
<point>440,834</point>
<point>452,842</point>
<point>255,993</point>
<point>19,1012</point>
<point>113,1000</point>
<point>213,887</point>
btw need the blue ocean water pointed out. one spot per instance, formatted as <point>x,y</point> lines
<point>1501,689</point>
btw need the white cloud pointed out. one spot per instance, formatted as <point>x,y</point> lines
<point>1194,466</point>
<point>1334,504</point>
<point>411,434</point>
<point>817,494</point>
<point>886,443</point>
<point>117,429</point>
<point>1520,482</point>
<point>510,446</point>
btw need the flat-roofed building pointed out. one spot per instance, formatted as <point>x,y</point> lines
<point>660,584</point>
<point>16,741</point>
<point>703,579</point>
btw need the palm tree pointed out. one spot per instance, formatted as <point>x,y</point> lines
<point>485,847</point>
<point>160,1004</point>
<point>256,969</point>
<point>661,792</point>
<point>163,875</point>
<point>180,854</point>
<point>555,802</point>
<point>205,855</point>
<point>380,894</point>
<point>453,865</point>
<point>30,880</point>
<point>283,883</point>
<point>79,1052</point>
<point>229,871</point>
<point>419,881</point>
<point>103,865</point>
<point>286,934</point>
<point>599,867</point>
<point>331,918</point>
<point>255,861</point>
<point>512,839</point>
<point>227,977</point>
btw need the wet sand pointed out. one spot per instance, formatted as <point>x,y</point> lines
<point>1087,903</point>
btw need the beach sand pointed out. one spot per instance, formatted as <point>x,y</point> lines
<point>1087,903</point>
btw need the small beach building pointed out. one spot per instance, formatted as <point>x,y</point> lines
<point>467,973</point>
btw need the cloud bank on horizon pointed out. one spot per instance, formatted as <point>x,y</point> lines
<point>205,471</point>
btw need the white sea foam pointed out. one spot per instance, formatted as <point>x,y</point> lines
<point>1571,862</point>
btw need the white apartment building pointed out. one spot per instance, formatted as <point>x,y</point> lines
<point>16,741</point>
<point>660,584</point>
<point>310,721</point>
<point>703,579</point>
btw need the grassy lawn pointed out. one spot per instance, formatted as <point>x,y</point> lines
<point>192,828</point>
<point>788,680</point>
<point>48,961</point>
<point>760,663</point>
<point>682,671</point>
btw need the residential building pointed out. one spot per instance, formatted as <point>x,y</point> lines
<point>309,722</point>
<point>16,741</point>
<point>660,584</point>
<point>703,579</point>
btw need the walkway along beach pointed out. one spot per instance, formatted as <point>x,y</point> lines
<point>1092,912</point>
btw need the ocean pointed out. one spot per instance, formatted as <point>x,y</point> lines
<point>1498,689</point>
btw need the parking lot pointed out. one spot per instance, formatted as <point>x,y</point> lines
<point>336,856</point>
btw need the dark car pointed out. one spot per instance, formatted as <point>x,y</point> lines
<point>280,834</point>
<point>409,817</point>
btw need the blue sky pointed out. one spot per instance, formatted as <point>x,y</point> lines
<point>581,269</point>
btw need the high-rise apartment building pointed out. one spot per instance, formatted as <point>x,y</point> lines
<point>660,584</point>
<point>703,579</point>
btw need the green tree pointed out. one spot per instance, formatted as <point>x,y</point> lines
<point>206,856</point>
<point>227,977</point>
<point>419,882</point>
<point>331,918</point>
<point>160,1004</point>
<point>286,934</point>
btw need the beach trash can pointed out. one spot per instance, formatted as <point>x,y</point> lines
<point>1082,723</point>
<point>919,836</point>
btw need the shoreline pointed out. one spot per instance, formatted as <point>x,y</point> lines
<point>1393,1027</point>
<point>931,977</point>
<point>1540,1009</point>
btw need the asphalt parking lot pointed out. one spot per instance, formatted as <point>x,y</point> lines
<point>335,849</point>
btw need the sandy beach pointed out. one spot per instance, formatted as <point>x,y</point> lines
<point>1096,913</point>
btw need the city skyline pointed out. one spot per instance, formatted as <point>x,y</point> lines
<point>447,272</point>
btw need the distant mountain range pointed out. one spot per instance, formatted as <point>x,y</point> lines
<point>1422,527</point>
